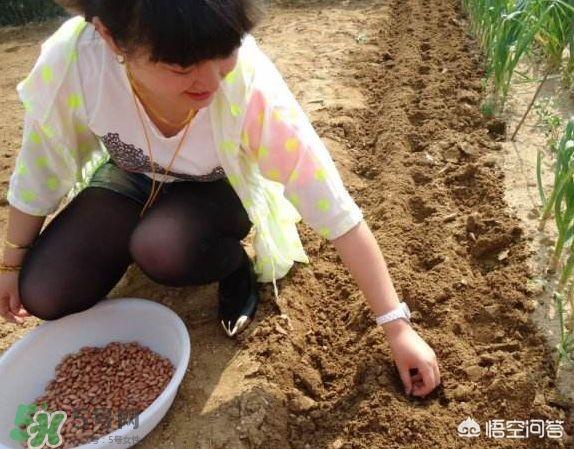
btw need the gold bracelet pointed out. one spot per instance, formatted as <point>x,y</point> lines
<point>13,245</point>
<point>8,268</point>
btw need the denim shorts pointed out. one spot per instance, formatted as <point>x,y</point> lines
<point>136,186</point>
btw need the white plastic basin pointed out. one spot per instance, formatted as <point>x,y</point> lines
<point>28,366</point>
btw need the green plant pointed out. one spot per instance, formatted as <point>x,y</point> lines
<point>551,122</point>
<point>565,347</point>
<point>488,107</point>
<point>561,201</point>
<point>562,171</point>
<point>509,29</point>
<point>556,33</point>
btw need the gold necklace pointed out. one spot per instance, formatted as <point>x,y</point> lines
<point>154,192</point>
<point>148,106</point>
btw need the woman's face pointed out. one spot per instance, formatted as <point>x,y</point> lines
<point>176,86</point>
<point>192,86</point>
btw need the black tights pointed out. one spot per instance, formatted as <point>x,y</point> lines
<point>190,236</point>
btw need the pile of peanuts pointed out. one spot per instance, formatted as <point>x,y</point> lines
<point>103,388</point>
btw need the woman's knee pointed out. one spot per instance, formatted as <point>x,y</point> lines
<point>41,298</point>
<point>175,256</point>
<point>51,288</point>
<point>165,249</point>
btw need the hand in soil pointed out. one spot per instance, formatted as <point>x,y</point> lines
<point>413,355</point>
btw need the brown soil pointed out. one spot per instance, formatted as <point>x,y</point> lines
<point>393,87</point>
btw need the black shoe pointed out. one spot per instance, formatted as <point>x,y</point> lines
<point>238,296</point>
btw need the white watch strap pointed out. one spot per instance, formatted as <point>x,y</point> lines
<point>399,312</point>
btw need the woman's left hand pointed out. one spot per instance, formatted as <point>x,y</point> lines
<point>411,351</point>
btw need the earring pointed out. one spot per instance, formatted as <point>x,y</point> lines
<point>121,59</point>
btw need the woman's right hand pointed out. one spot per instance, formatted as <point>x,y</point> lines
<point>10,307</point>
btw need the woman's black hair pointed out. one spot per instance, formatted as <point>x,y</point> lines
<point>181,32</point>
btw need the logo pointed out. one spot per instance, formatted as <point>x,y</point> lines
<point>469,428</point>
<point>39,428</point>
<point>513,428</point>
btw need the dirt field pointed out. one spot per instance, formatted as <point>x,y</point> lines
<point>393,87</point>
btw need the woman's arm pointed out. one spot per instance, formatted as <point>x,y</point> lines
<point>362,256</point>
<point>59,151</point>
<point>22,230</point>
